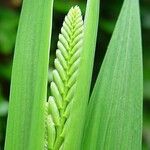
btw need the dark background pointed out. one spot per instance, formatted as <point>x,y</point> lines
<point>9,16</point>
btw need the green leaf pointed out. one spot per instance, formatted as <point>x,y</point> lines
<point>76,118</point>
<point>26,121</point>
<point>114,116</point>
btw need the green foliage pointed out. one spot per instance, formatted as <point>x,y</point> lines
<point>77,113</point>
<point>71,120</point>
<point>114,116</point>
<point>25,125</point>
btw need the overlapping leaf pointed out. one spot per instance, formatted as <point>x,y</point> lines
<point>77,118</point>
<point>115,109</point>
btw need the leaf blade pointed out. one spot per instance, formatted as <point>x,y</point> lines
<point>76,119</point>
<point>115,108</point>
<point>29,77</point>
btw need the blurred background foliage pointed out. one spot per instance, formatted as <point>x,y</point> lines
<point>9,17</point>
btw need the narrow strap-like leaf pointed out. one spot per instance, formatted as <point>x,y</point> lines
<point>25,125</point>
<point>64,77</point>
<point>114,116</point>
<point>77,118</point>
